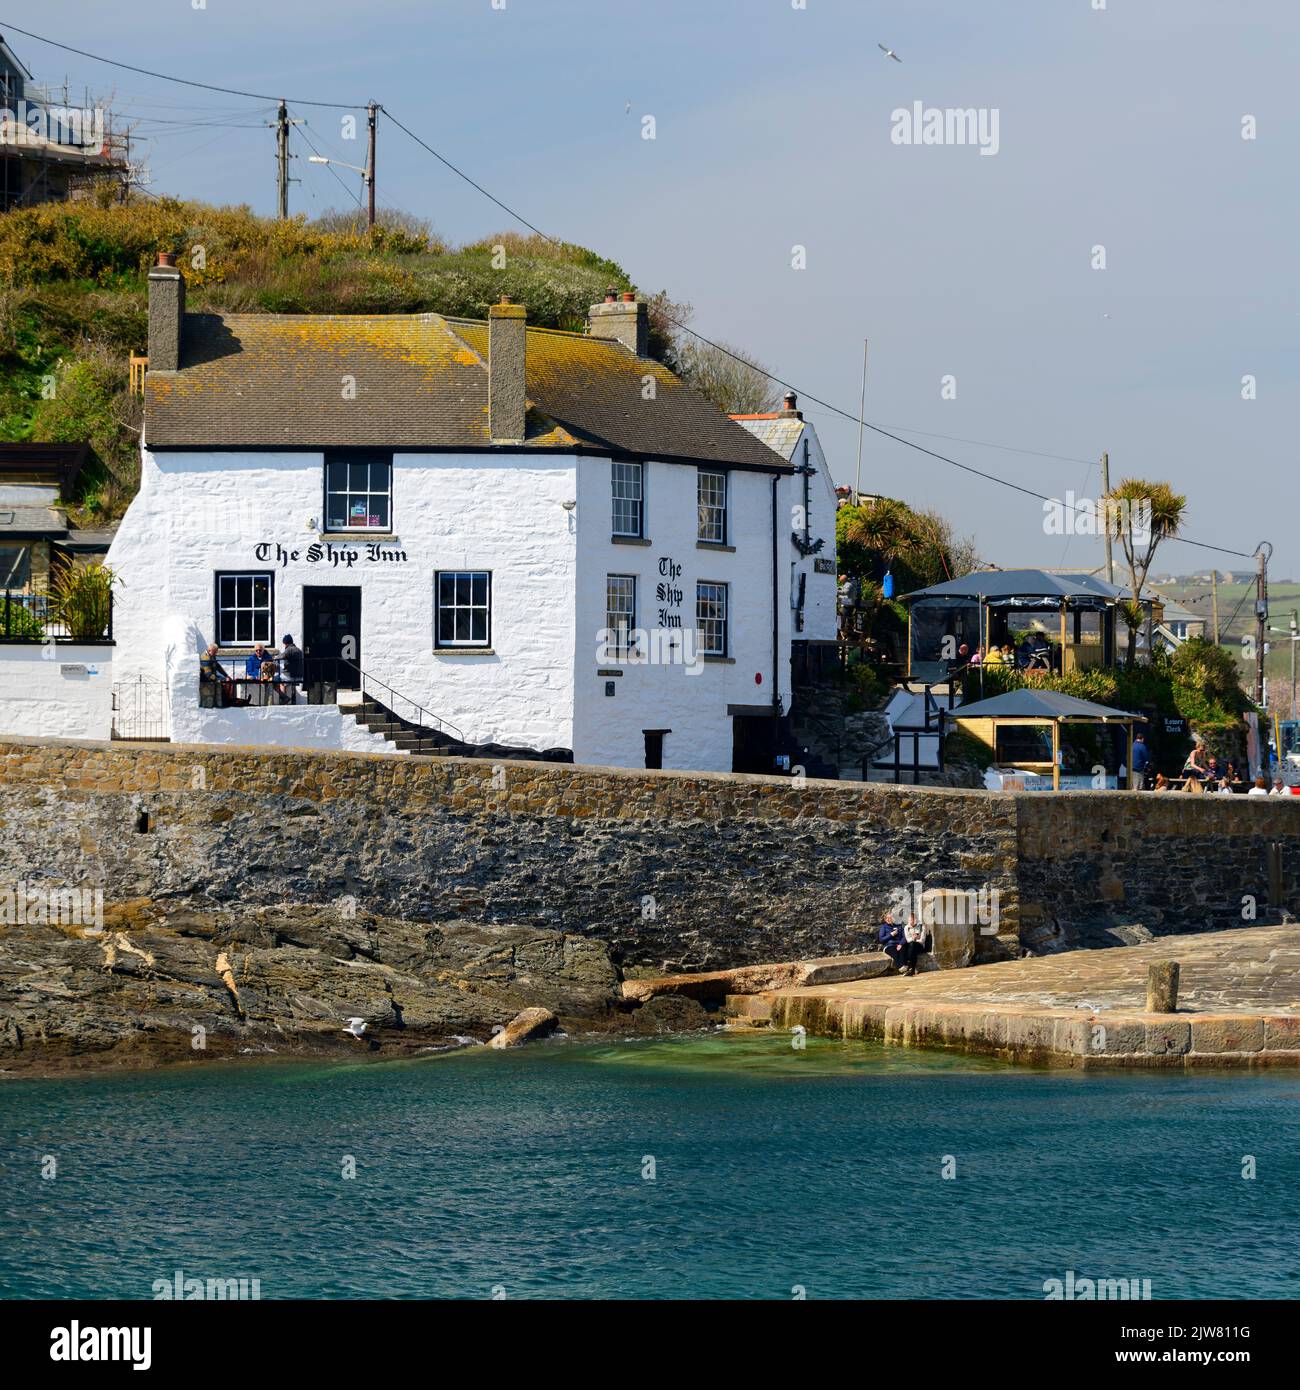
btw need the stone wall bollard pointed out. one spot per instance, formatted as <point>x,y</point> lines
<point>1162,987</point>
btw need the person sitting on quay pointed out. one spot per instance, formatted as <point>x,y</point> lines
<point>1162,783</point>
<point>1233,780</point>
<point>916,939</point>
<point>892,940</point>
<point>1259,789</point>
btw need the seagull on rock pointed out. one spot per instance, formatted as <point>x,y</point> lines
<point>889,53</point>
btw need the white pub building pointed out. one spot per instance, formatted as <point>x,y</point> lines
<point>481,537</point>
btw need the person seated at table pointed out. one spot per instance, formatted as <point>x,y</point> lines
<point>1040,654</point>
<point>892,939</point>
<point>1278,788</point>
<point>977,657</point>
<point>1024,654</point>
<point>1194,767</point>
<point>1259,789</point>
<point>256,658</point>
<point>212,672</point>
<point>995,657</point>
<point>1233,778</point>
<point>1162,783</point>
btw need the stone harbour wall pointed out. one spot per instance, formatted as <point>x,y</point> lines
<point>671,870</point>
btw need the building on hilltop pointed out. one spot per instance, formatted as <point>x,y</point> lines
<point>50,150</point>
<point>499,537</point>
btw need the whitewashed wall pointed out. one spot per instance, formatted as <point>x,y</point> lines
<point>610,730</point>
<point>199,513</point>
<point>62,690</point>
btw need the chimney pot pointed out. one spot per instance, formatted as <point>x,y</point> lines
<point>507,389</point>
<point>611,295</point>
<point>166,258</point>
<point>626,321</point>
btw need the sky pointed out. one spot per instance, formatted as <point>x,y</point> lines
<point>996,335</point>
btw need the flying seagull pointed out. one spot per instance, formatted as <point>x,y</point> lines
<point>889,53</point>
<point>355,1028</point>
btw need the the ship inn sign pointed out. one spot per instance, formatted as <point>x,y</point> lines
<point>332,553</point>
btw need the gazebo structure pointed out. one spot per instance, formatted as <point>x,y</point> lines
<point>1077,618</point>
<point>1023,730</point>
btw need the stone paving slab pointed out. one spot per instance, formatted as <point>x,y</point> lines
<point>1238,1004</point>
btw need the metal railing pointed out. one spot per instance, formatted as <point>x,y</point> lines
<point>35,618</point>
<point>396,715</point>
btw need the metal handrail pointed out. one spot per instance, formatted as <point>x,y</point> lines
<point>365,681</point>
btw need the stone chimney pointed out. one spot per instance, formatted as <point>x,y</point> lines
<point>623,319</point>
<point>507,392</point>
<point>166,314</point>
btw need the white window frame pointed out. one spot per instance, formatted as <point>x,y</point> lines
<point>456,606</point>
<point>723,623</point>
<point>625,496</point>
<point>220,609</point>
<point>712,513</point>
<point>620,643</point>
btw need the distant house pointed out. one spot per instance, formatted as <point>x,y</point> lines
<point>35,536</point>
<point>811,545</point>
<point>512,537</point>
<point>50,148</point>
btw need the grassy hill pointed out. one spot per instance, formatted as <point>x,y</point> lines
<point>73,302</point>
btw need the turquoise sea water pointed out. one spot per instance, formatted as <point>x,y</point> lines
<point>522,1172</point>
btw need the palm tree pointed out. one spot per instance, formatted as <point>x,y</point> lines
<point>1140,514</point>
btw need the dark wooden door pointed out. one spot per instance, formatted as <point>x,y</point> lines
<point>331,619</point>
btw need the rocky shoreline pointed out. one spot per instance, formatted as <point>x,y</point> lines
<point>158,984</point>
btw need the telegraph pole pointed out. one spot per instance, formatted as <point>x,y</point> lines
<point>1105,492</point>
<point>1261,616</point>
<point>282,156</point>
<point>371,112</point>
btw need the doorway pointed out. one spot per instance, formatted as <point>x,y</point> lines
<point>331,644</point>
<point>654,747</point>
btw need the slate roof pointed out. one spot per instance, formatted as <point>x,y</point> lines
<point>778,431</point>
<point>421,382</point>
